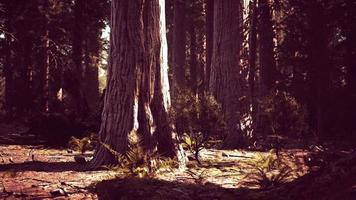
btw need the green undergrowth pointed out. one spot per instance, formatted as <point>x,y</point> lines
<point>271,170</point>
<point>137,162</point>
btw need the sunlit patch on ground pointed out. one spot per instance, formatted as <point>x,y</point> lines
<point>35,172</point>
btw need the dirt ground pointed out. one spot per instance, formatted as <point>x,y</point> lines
<point>33,172</point>
<point>37,172</point>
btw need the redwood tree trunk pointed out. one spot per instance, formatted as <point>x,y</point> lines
<point>225,82</point>
<point>137,95</point>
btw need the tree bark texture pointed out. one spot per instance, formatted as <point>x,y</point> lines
<point>137,94</point>
<point>225,82</point>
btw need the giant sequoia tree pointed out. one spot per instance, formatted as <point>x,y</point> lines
<point>137,97</point>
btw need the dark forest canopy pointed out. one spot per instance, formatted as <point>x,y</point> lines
<point>278,67</point>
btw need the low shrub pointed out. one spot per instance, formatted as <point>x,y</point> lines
<point>198,119</point>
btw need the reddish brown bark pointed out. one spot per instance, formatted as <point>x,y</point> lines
<point>137,94</point>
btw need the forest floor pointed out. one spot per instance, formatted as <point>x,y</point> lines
<point>36,172</point>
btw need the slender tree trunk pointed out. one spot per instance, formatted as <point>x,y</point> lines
<point>47,90</point>
<point>21,81</point>
<point>351,51</point>
<point>179,43</point>
<point>351,80</point>
<point>8,80</point>
<point>26,73</point>
<point>193,62</point>
<point>351,63</point>
<point>50,77</point>
<point>91,79</point>
<point>76,88</point>
<point>225,82</point>
<point>209,40</point>
<point>266,48</point>
<point>90,35</point>
<point>137,95</point>
<point>351,71</point>
<point>252,60</point>
<point>320,66</point>
<point>8,68</point>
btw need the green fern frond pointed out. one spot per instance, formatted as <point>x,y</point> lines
<point>267,171</point>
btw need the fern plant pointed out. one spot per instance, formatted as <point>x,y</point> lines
<point>83,144</point>
<point>267,171</point>
<point>138,162</point>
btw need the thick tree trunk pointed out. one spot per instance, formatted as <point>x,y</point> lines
<point>137,95</point>
<point>225,82</point>
<point>179,43</point>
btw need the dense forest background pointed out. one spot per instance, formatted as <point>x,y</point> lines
<point>51,50</point>
<point>290,65</point>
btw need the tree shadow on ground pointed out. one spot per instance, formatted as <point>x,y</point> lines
<point>308,187</point>
<point>144,188</point>
<point>326,184</point>
<point>44,167</point>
